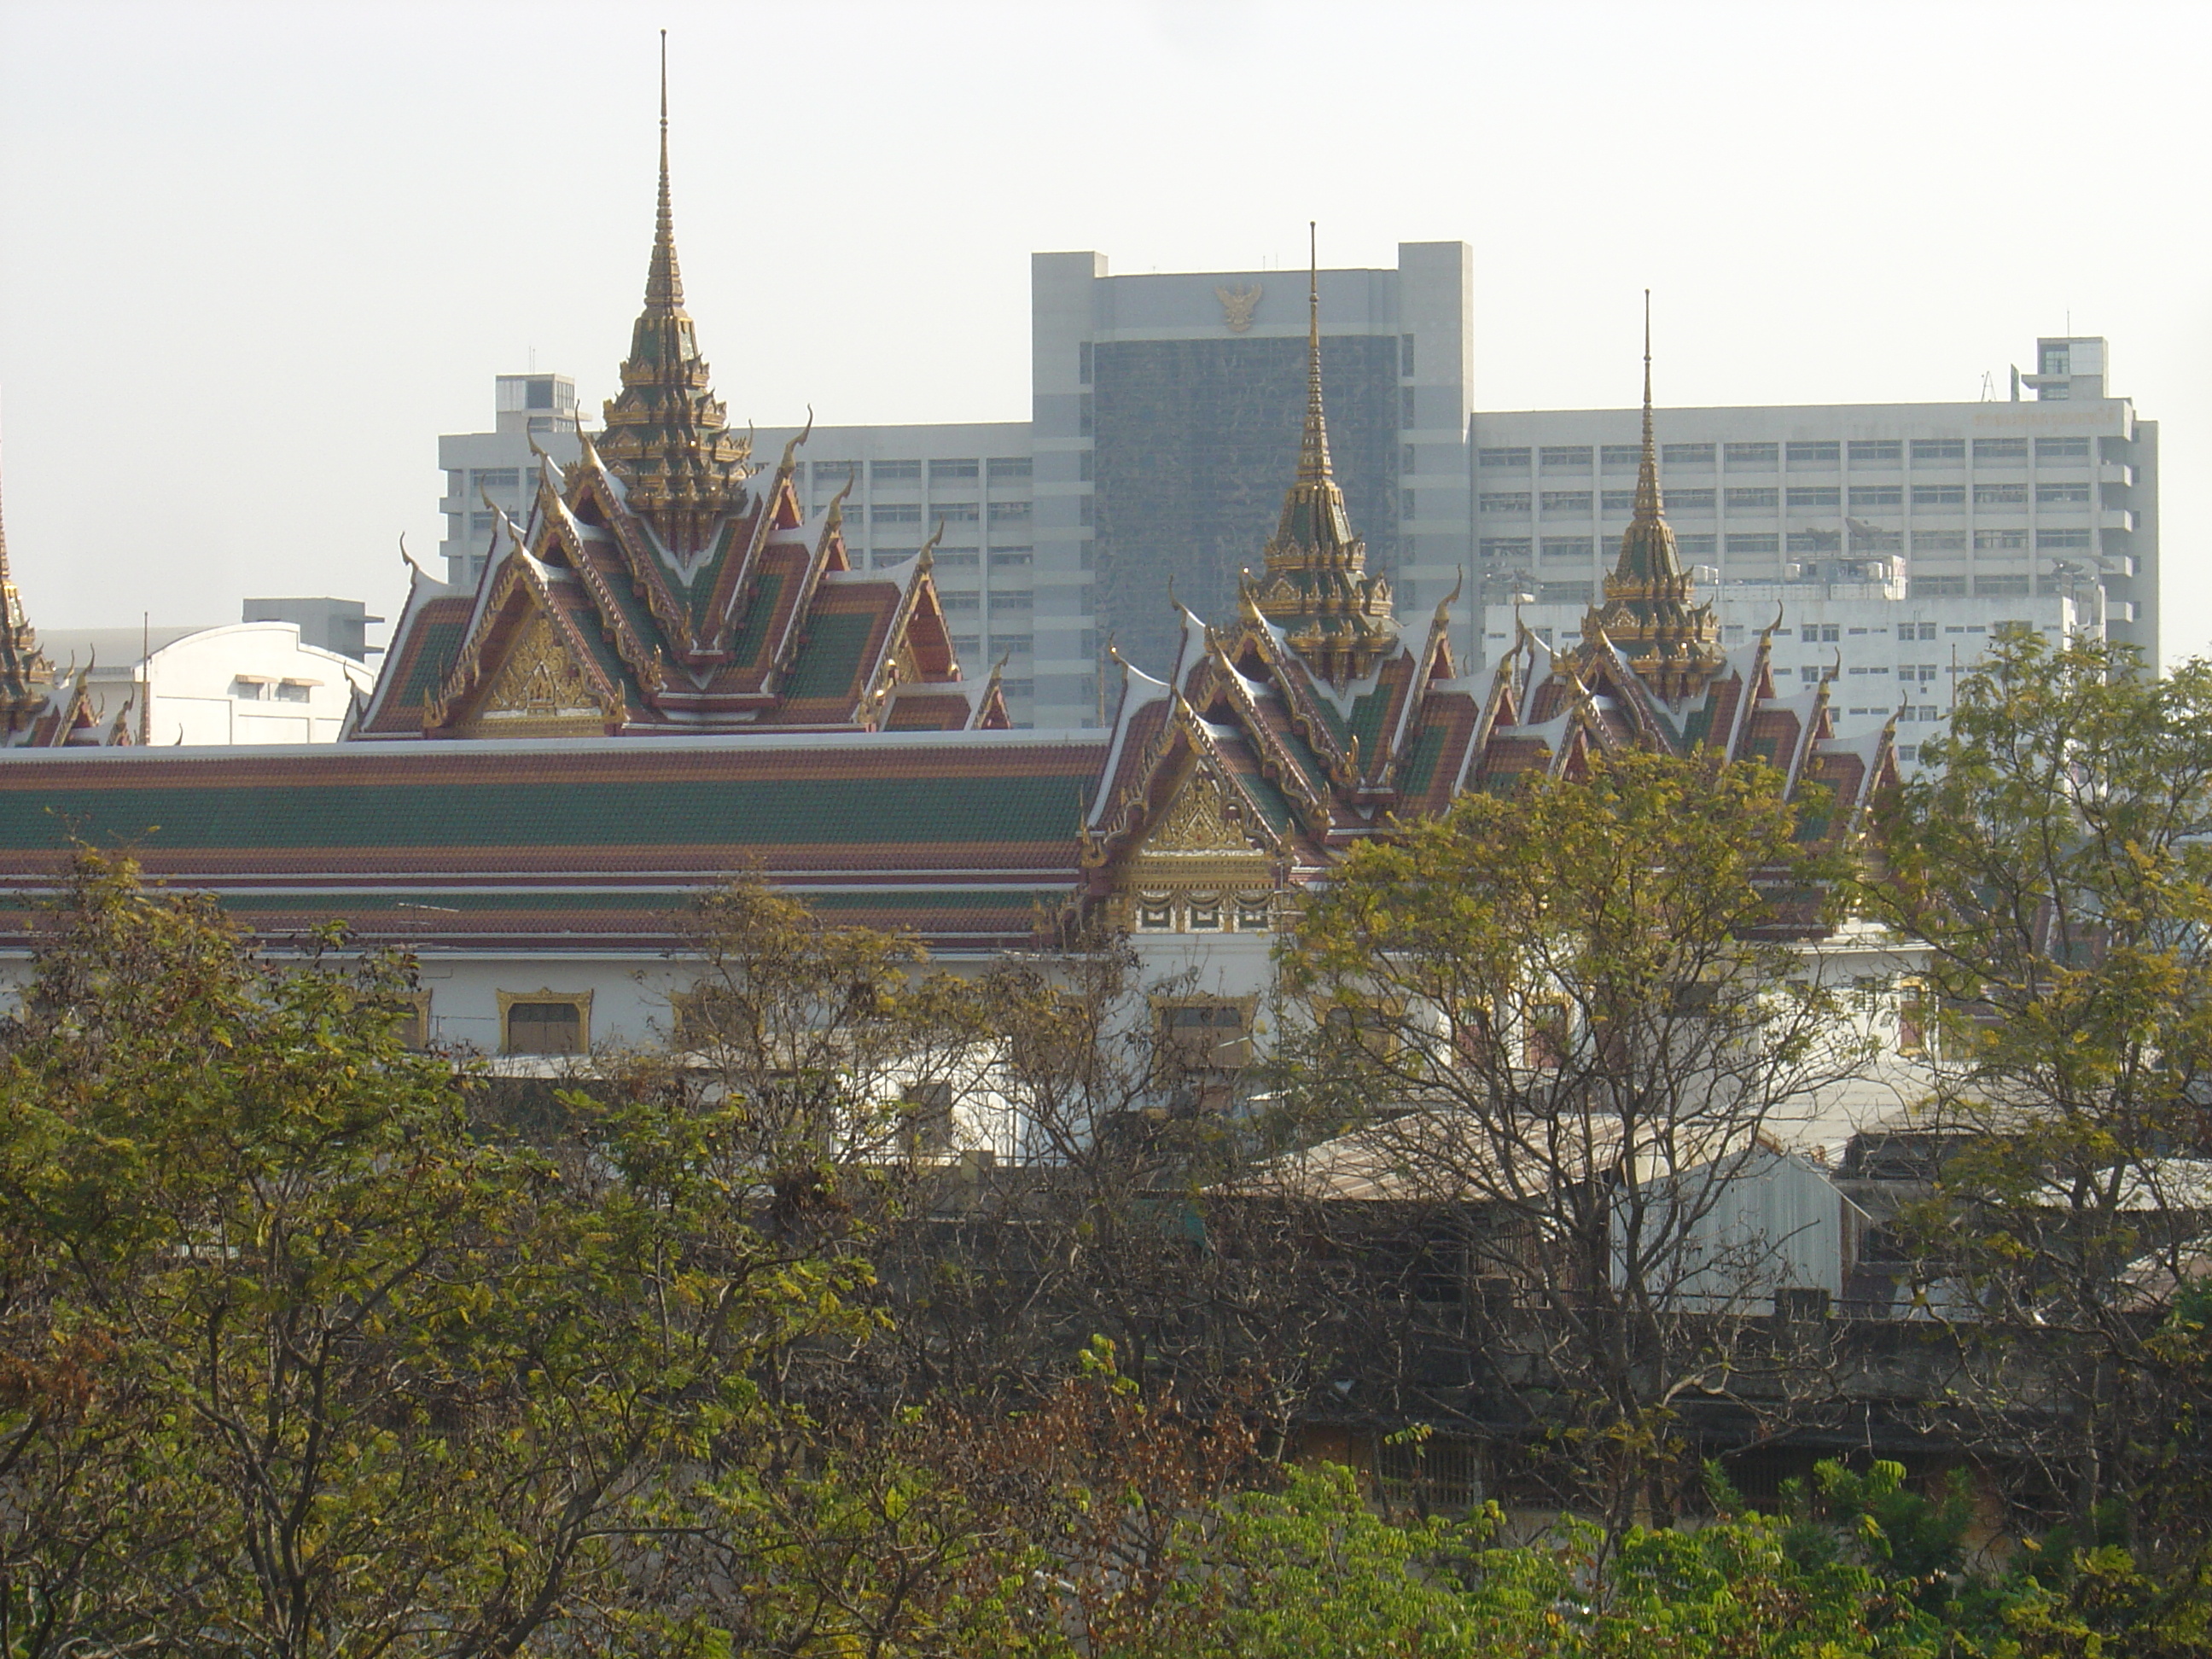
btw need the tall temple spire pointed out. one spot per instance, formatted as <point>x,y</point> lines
<point>1648,502</point>
<point>1313,444</point>
<point>26,678</point>
<point>1672,646</point>
<point>664,282</point>
<point>1334,615</point>
<point>667,437</point>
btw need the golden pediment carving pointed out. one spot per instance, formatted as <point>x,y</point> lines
<point>1199,819</point>
<point>537,683</point>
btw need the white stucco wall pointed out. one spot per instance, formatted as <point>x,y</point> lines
<point>249,682</point>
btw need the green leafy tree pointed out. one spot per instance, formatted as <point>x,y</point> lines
<point>2055,859</point>
<point>1557,1027</point>
<point>301,1362</point>
<point>1312,1570</point>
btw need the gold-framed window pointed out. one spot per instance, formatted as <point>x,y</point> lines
<point>544,1022</point>
<point>413,1026</point>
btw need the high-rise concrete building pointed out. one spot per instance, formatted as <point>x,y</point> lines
<point>1166,412</point>
<point>2000,500</point>
<point>528,409</point>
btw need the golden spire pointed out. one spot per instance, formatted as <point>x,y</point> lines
<point>26,678</point>
<point>1672,646</point>
<point>1335,616</point>
<point>1649,506</point>
<point>664,283</point>
<point>11,604</point>
<point>1313,444</point>
<point>666,437</point>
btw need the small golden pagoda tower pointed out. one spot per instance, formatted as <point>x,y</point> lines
<point>1672,646</point>
<point>666,437</point>
<point>26,678</point>
<point>1336,616</point>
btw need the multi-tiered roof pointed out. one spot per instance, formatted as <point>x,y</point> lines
<point>1334,615</point>
<point>663,584</point>
<point>660,586</point>
<point>1275,744</point>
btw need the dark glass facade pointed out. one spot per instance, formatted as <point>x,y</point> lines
<point>1194,442</point>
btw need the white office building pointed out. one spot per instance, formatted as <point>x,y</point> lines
<point>1943,502</point>
<point>250,682</point>
<point>496,465</point>
<point>969,486</point>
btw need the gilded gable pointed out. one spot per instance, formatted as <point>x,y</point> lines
<point>1199,869</point>
<point>538,691</point>
<point>1200,820</point>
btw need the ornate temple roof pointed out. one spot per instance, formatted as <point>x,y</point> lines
<point>667,439</point>
<point>1334,615</point>
<point>661,583</point>
<point>814,723</point>
<point>968,839</point>
<point>1303,744</point>
<point>1672,644</point>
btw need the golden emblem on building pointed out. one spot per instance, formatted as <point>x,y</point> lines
<point>1237,305</point>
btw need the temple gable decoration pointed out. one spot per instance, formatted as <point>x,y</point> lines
<point>1202,867</point>
<point>1201,820</point>
<point>537,687</point>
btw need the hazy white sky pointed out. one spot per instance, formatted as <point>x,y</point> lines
<point>253,258</point>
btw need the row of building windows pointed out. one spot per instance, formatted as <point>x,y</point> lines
<point>1003,598</point>
<point>1920,587</point>
<point>255,688</point>
<point>543,1022</point>
<point>998,469</point>
<point>957,559</point>
<point>951,512</point>
<point>1504,549</point>
<point>1760,456</point>
<point>1001,513</point>
<point>1798,498</point>
<point>1835,633</point>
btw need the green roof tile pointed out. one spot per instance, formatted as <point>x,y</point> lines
<point>895,809</point>
<point>836,642</point>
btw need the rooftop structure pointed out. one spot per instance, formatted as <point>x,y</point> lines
<point>328,624</point>
<point>490,472</point>
<point>497,811</point>
<point>659,583</point>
